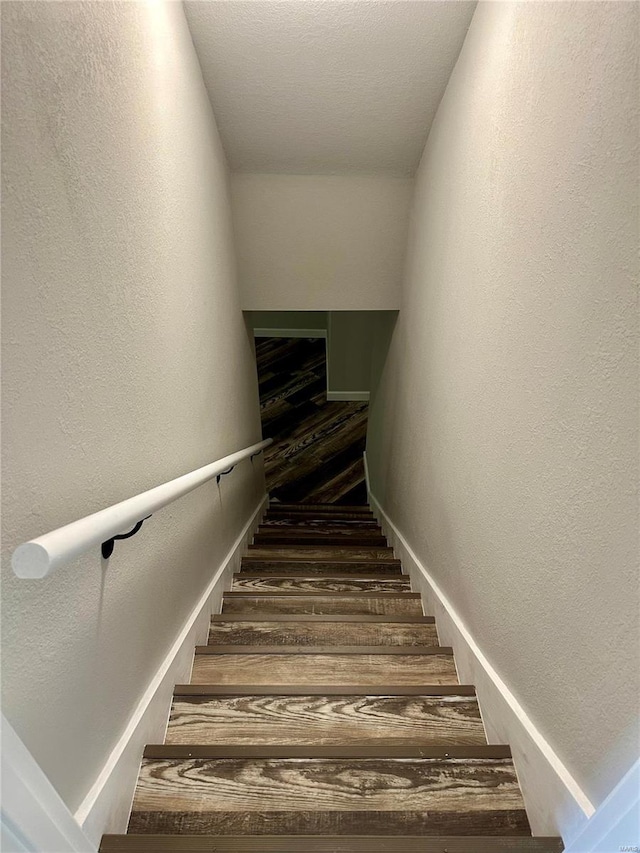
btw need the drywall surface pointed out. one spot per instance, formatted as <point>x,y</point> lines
<point>126,361</point>
<point>326,87</point>
<point>503,439</point>
<point>349,350</point>
<point>320,242</point>
<point>287,320</point>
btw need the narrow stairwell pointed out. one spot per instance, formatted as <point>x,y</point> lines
<point>323,715</point>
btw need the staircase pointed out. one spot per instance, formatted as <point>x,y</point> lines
<point>324,716</point>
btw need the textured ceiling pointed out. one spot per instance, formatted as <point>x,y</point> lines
<point>319,86</point>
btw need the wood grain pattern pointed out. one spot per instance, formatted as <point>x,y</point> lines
<point>317,444</point>
<point>308,719</point>
<point>325,529</point>
<point>254,566</point>
<point>323,633</point>
<point>315,617</point>
<point>149,843</point>
<point>323,669</point>
<point>326,690</point>
<point>214,752</point>
<point>384,605</point>
<point>266,796</point>
<point>356,651</point>
<point>338,540</point>
<point>300,517</point>
<point>312,552</point>
<point>333,525</point>
<point>340,511</point>
<point>301,584</point>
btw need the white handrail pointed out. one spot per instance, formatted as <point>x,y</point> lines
<point>39,557</point>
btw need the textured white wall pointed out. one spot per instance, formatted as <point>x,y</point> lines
<point>126,361</point>
<point>324,87</point>
<point>504,435</point>
<point>320,242</point>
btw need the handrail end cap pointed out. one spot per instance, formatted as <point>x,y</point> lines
<point>31,560</point>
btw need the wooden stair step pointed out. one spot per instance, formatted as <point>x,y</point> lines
<point>322,720</point>
<point>306,633</point>
<point>396,603</point>
<point>322,553</point>
<point>295,583</point>
<point>306,667</point>
<point>239,649</point>
<point>331,517</point>
<point>328,790</point>
<point>337,540</point>
<point>323,617</point>
<point>326,529</point>
<point>325,690</point>
<point>303,523</point>
<point>441,752</point>
<point>252,565</point>
<point>313,507</point>
<point>328,844</point>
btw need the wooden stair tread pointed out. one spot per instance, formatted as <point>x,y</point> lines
<point>326,529</point>
<point>389,568</point>
<point>401,595</point>
<point>346,524</point>
<point>327,844</point>
<point>298,575</point>
<point>310,633</point>
<point>320,512</point>
<point>205,689</point>
<point>281,584</point>
<point>322,720</point>
<point>442,789</point>
<point>313,507</point>
<point>313,540</point>
<point>363,669</point>
<point>387,604</point>
<point>443,753</point>
<point>318,552</point>
<point>264,649</point>
<point>407,619</point>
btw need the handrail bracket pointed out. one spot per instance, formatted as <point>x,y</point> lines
<point>108,546</point>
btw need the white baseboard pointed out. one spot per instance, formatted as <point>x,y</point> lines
<point>556,805</point>
<point>345,396</point>
<point>367,481</point>
<point>33,816</point>
<point>107,805</point>
<point>289,333</point>
<point>616,824</point>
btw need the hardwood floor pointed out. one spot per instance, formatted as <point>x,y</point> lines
<point>323,715</point>
<point>317,451</point>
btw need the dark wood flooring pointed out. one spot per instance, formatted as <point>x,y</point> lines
<point>317,452</point>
